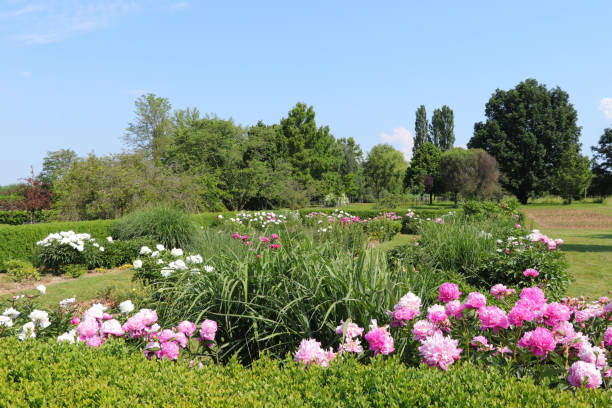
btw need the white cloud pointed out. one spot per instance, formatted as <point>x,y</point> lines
<point>60,19</point>
<point>605,105</point>
<point>401,139</point>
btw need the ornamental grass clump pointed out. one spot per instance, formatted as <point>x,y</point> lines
<point>169,226</point>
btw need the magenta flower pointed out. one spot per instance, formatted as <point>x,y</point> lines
<point>475,300</point>
<point>535,295</point>
<point>500,291</point>
<point>94,341</point>
<point>439,351</point>
<point>492,317</point>
<point>554,313</point>
<point>264,239</point>
<point>520,313</point>
<point>608,336</point>
<point>88,328</point>
<point>208,330</point>
<point>245,237</point>
<point>75,320</point>
<point>166,335</point>
<point>170,350</point>
<point>593,355</point>
<point>273,236</point>
<point>351,346</point>
<point>423,329</point>
<point>437,314</point>
<point>584,374</point>
<point>448,291</point>
<point>531,272</point>
<point>186,327</point>
<point>539,341</point>
<point>454,308</point>
<point>236,236</point>
<point>274,246</point>
<point>380,340</point>
<point>481,343</point>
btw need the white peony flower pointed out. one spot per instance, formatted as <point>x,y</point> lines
<point>166,272</point>
<point>40,318</point>
<point>6,321</point>
<point>67,337</point>
<point>154,254</point>
<point>10,312</point>
<point>179,265</point>
<point>101,249</point>
<point>42,289</point>
<point>67,301</point>
<point>137,264</point>
<point>160,261</point>
<point>109,239</point>
<point>145,250</point>
<point>196,259</point>
<point>176,252</point>
<point>209,268</point>
<point>126,307</point>
<point>160,247</point>
<point>27,331</point>
<point>96,311</point>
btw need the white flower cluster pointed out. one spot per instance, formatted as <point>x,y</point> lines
<point>259,219</point>
<point>174,265</point>
<point>70,238</point>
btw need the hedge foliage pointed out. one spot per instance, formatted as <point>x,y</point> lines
<point>19,241</point>
<point>20,217</point>
<point>36,374</point>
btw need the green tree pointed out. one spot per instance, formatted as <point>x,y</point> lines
<point>425,162</point>
<point>443,128</point>
<point>527,130</point>
<point>55,164</point>
<point>384,168</point>
<point>487,175</point>
<point>602,164</point>
<point>573,176</point>
<point>150,131</point>
<point>421,129</point>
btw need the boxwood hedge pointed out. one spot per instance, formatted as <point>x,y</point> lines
<point>36,374</point>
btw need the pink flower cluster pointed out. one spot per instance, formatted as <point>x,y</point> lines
<point>500,291</point>
<point>311,353</point>
<point>351,332</point>
<point>531,272</point>
<point>537,236</point>
<point>405,310</point>
<point>439,351</point>
<point>262,239</point>
<point>380,340</point>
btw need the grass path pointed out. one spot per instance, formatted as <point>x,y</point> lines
<point>83,288</point>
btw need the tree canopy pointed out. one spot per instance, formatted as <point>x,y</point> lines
<point>528,130</point>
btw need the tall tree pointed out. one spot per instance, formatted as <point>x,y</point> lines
<point>55,164</point>
<point>384,168</point>
<point>421,129</point>
<point>573,177</point>
<point>527,130</point>
<point>602,164</point>
<point>149,133</point>
<point>425,162</point>
<point>443,128</point>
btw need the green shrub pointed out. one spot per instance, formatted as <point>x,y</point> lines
<point>119,253</point>
<point>68,375</point>
<point>19,217</point>
<point>170,227</point>
<point>19,241</point>
<point>382,229</point>
<point>19,270</point>
<point>74,271</point>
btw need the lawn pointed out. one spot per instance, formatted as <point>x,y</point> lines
<point>586,229</point>
<point>84,288</point>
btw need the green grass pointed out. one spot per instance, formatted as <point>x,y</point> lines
<point>398,240</point>
<point>83,288</point>
<point>585,230</point>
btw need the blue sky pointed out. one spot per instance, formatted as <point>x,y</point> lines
<point>71,70</point>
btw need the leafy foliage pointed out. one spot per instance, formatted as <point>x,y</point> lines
<point>19,270</point>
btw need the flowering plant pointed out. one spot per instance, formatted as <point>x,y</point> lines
<point>67,248</point>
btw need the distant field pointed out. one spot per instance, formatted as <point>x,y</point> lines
<point>586,229</point>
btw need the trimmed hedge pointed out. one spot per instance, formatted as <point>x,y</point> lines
<point>35,374</point>
<point>19,241</point>
<point>20,217</point>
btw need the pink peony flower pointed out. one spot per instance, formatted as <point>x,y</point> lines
<point>535,295</point>
<point>181,339</point>
<point>500,291</point>
<point>186,327</point>
<point>208,330</point>
<point>166,335</point>
<point>539,341</point>
<point>423,329</point>
<point>264,239</point>
<point>401,315</point>
<point>439,351</point>
<point>564,333</point>
<point>94,341</point>
<point>274,246</point>
<point>454,308</point>
<point>88,328</point>
<point>475,300</point>
<point>584,374</point>
<point>481,343</point>
<point>310,352</point>
<point>593,355</point>
<point>436,314</point>
<point>352,329</point>
<point>170,350</point>
<point>608,336</point>
<point>148,316</point>
<point>111,327</point>
<point>236,236</point>
<point>75,320</point>
<point>531,272</point>
<point>351,346</point>
<point>492,317</point>
<point>380,340</point>
<point>448,291</point>
<point>244,237</point>
<point>554,313</point>
<point>273,236</point>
